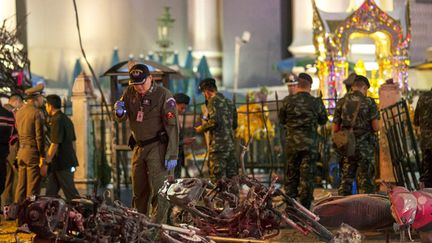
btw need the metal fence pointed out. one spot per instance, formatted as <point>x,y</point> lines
<point>402,144</point>
<point>264,158</point>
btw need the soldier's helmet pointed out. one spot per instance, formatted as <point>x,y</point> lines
<point>138,74</point>
<point>363,79</point>
<point>207,83</point>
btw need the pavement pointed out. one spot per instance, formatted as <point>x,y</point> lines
<point>8,228</point>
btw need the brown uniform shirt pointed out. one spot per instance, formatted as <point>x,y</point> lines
<point>30,124</point>
<point>159,108</point>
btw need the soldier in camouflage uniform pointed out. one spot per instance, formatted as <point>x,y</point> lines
<point>423,119</point>
<point>221,123</point>
<point>364,128</point>
<point>301,114</point>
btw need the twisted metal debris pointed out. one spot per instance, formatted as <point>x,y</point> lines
<point>94,220</point>
<point>218,210</point>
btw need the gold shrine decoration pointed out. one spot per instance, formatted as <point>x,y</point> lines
<point>369,19</point>
<point>258,121</point>
<point>332,47</point>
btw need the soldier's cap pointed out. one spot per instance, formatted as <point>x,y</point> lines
<point>350,80</point>
<point>207,83</point>
<point>138,73</point>
<point>363,79</point>
<point>181,98</point>
<point>34,91</point>
<point>306,77</point>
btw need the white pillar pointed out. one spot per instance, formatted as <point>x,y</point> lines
<point>8,11</point>
<point>204,27</point>
<point>389,94</point>
<point>82,98</point>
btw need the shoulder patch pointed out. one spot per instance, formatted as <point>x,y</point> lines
<point>170,115</point>
<point>171,103</point>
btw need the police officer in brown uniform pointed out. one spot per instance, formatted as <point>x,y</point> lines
<point>151,110</point>
<point>31,153</point>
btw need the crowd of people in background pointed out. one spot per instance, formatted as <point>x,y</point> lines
<point>24,158</point>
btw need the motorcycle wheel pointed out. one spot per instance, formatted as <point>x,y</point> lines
<point>318,229</point>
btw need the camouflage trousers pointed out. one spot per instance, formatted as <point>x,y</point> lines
<point>360,166</point>
<point>222,164</point>
<point>300,172</point>
<point>426,170</point>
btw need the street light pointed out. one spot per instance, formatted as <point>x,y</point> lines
<point>239,42</point>
<point>164,26</point>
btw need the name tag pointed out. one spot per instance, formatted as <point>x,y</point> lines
<point>140,116</point>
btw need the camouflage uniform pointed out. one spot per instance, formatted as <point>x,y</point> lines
<point>300,114</point>
<point>362,161</point>
<point>221,123</point>
<point>423,118</point>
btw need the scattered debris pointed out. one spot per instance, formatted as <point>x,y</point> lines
<point>94,220</point>
<point>218,210</point>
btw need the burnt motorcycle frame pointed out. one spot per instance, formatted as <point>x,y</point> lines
<point>217,210</point>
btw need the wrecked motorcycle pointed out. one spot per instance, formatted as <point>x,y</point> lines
<point>364,212</point>
<point>218,210</point>
<point>93,220</point>
<point>412,209</point>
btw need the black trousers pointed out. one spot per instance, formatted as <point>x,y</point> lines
<point>4,152</point>
<point>61,179</point>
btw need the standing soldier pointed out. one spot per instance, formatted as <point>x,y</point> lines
<point>301,114</point>
<point>152,115</point>
<point>182,101</point>
<point>364,128</point>
<point>423,118</point>
<point>7,138</point>
<point>31,153</point>
<point>14,104</point>
<point>221,123</point>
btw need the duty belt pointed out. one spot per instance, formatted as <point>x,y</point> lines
<point>27,146</point>
<point>147,142</point>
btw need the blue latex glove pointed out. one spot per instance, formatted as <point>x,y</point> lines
<point>170,164</point>
<point>120,109</point>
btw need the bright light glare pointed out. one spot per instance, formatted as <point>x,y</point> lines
<point>363,49</point>
<point>371,66</point>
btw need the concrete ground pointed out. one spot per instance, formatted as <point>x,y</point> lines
<point>8,228</point>
<point>7,234</point>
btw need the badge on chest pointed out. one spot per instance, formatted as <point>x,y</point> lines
<point>140,114</point>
